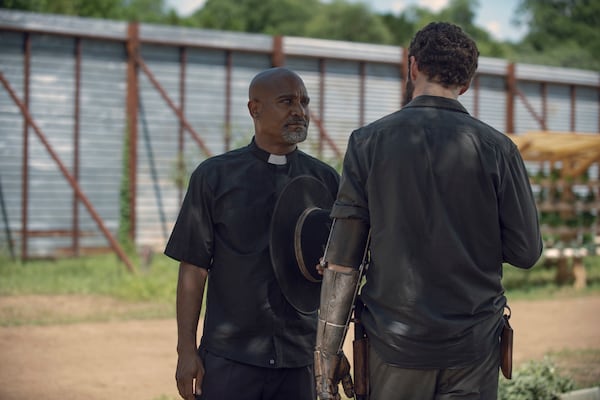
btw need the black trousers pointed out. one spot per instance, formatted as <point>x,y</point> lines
<point>475,382</point>
<point>230,380</point>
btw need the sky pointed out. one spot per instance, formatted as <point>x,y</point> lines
<point>493,15</point>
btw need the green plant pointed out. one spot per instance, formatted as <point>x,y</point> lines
<point>125,204</point>
<point>535,380</point>
<point>179,173</point>
<point>581,364</point>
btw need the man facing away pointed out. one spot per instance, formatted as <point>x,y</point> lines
<point>254,345</point>
<point>443,200</point>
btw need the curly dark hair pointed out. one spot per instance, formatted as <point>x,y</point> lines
<point>445,53</point>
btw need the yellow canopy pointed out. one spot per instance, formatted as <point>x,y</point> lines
<point>575,150</point>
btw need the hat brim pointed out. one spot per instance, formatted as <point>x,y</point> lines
<point>299,232</point>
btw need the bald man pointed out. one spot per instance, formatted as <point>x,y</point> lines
<point>254,344</point>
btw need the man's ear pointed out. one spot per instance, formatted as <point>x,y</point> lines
<point>253,108</point>
<point>413,68</point>
<point>464,88</point>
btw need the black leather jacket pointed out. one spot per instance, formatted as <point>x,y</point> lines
<point>448,201</point>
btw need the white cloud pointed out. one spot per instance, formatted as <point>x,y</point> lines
<point>434,5</point>
<point>185,7</point>
<point>495,28</point>
<point>397,6</point>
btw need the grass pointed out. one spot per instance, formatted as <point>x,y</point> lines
<point>156,282</point>
<point>95,275</point>
<point>118,294</point>
<point>150,293</point>
<point>539,282</point>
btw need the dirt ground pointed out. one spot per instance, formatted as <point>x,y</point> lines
<point>136,359</point>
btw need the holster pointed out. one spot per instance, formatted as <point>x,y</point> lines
<point>506,347</point>
<point>360,347</point>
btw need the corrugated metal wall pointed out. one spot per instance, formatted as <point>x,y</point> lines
<point>11,138</point>
<point>567,99</point>
<point>206,73</point>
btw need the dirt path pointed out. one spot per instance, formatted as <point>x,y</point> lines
<point>136,359</point>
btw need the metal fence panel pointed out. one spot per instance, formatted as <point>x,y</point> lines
<point>349,84</point>
<point>103,131</point>
<point>587,110</point>
<point>51,106</point>
<point>11,133</point>
<point>523,118</point>
<point>383,90</point>
<point>558,108</point>
<point>342,99</point>
<point>492,101</point>
<point>158,128</point>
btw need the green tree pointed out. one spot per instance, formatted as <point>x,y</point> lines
<point>152,11</point>
<point>274,17</point>
<point>85,8</point>
<point>460,12</point>
<point>561,32</point>
<point>463,13</point>
<point>355,22</point>
<point>401,28</point>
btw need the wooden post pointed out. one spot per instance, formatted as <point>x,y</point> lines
<point>133,44</point>
<point>563,274</point>
<point>25,166</point>
<point>511,86</point>
<point>579,273</point>
<point>278,56</point>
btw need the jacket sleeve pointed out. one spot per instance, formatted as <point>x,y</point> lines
<point>349,233</point>
<point>521,238</point>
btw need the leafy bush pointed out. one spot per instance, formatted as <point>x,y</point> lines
<point>535,380</point>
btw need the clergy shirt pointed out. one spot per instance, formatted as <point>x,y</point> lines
<point>224,226</point>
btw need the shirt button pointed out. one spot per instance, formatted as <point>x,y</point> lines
<point>272,362</point>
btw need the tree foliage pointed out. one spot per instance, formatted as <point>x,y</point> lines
<point>401,27</point>
<point>153,11</point>
<point>460,12</point>
<point>274,17</point>
<point>354,22</point>
<point>560,32</point>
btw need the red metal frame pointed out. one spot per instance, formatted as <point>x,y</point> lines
<point>135,63</point>
<point>25,166</point>
<point>76,149</point>
<point>133,44</point>
<point>72,181</point>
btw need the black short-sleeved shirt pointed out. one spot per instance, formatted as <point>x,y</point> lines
<point>224,226</point>
<point>448,200</point>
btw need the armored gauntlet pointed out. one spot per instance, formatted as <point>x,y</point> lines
<point>331,365</point>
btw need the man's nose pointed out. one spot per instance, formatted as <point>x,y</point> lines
<point>299,109</point>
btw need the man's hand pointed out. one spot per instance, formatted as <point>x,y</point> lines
<point>189,367</point>
<point>320,267</point>
<point>329,371</point>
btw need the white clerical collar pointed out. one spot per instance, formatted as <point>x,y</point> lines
<point>277,159</point>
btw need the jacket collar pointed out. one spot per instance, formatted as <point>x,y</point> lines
<point>438,102</point>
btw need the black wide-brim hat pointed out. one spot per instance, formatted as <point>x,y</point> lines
<point>299,232</point>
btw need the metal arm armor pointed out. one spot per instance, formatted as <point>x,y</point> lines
<point>337,299</point>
